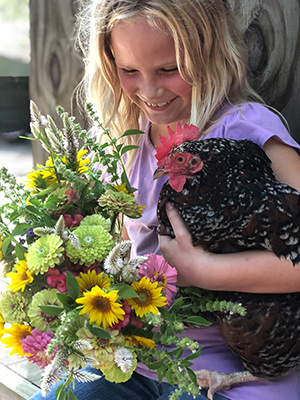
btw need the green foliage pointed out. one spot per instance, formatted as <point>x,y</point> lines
<point>14,9</point>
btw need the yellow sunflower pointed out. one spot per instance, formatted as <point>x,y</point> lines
<point>1,325</point>
<point>20,278</point>
<point>140,341</point>
<point>149,297</point>
<point>43,176</point>
<point>90,279</point>
<point>17,332</point>
<point>82,162</point>
<point>102,307</point>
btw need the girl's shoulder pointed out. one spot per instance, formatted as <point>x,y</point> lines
<point>252,121</point>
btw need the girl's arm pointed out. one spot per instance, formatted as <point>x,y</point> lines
<point>248,271</point>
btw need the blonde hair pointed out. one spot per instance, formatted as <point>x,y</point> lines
<point>211,56</point>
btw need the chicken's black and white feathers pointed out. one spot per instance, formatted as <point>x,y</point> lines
<point>235,203</point>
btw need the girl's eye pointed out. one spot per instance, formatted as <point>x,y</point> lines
<point>128,71</point>
<point>175,69</point>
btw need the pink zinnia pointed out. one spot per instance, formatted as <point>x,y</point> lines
<point>57,280</point>
<point>36,344</point>
<point>158,270</point>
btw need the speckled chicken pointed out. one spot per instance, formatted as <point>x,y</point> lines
<point>227,194</point>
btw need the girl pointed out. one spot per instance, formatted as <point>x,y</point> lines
<point>151,63</point>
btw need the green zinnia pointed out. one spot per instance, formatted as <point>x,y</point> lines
<point>38,318</point>
<point>120,203</point>
<point>14,306</point>
<point>96,220</point>
<point>44,253</point>
<point>114,373</point>
<point>95,243</point>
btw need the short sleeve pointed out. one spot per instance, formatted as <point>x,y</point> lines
<point>254,122</point>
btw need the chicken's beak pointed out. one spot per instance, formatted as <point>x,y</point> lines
<point>158,173</point>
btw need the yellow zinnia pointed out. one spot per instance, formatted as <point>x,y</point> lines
<point>90,279</point>
<point>20,278</point>
<point>17,332</point>
<point>102,307</point>
<point>149,297</point>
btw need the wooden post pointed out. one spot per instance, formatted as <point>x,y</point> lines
<point>56,68</point>
<point>271,30</point>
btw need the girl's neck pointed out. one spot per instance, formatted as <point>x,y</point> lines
<point>156,130</point>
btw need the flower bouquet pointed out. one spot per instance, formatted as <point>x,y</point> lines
<point>75,296</point>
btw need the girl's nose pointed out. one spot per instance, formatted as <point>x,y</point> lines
<point>151,89</point>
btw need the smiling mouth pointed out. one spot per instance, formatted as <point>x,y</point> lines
<point>158,105</point>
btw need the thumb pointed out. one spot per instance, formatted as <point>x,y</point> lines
<point>178,225</point>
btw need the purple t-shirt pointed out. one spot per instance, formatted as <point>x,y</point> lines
<point>254,122</point>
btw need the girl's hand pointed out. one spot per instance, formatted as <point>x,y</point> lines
<point>179,252</point>
<point>255,271</point>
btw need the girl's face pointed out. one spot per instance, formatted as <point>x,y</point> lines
<point>147,68</point>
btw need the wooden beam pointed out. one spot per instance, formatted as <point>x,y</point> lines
<point>56,68</point>
<point>271,30</point>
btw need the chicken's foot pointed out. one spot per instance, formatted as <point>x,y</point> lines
<point>214,380</point>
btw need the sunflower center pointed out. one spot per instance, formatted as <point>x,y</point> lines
<point>102,304</point>
<point>24,277</point>
<point>144,297</point>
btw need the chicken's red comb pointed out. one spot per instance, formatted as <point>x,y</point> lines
<point>186,133</point>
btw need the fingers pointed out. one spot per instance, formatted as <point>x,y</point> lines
<point>179,227</point>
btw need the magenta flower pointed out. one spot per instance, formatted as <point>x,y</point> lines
<point>158,270</point>
<point>121,324</point>
<point>36,344</point>
<point>73,196</point>
<point>56,279</point>
<point>72,221</point>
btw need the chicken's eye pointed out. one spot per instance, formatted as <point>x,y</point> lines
<point>193,161</point>
<point>180,160</point>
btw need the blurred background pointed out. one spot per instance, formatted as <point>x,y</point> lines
<point>15,153</point>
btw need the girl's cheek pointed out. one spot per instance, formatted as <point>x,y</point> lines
<point>128,84</point>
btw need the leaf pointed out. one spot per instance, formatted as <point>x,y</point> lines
<point>5,244</point>
<point>127,148</point>
<point>72,395</point>
<point>59,393</point>
<point>20,229</point>
<point>195,355</point>
<point>66,300</point>
<point>194,290</point>
<point>169,376</point>
<point>198,320</point>
<point>176,306</point>
<point>52,310</point>
<point>125,291</point>
<point>20,251</point>
<point>130,132</point>
<point>72,285</point>
<point>98,331</point>
<point>156,364</point>
<point>192,375</point>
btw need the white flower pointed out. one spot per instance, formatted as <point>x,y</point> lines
<point>130,273</point>
<point>113,265</point>
<point>123,359</point>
